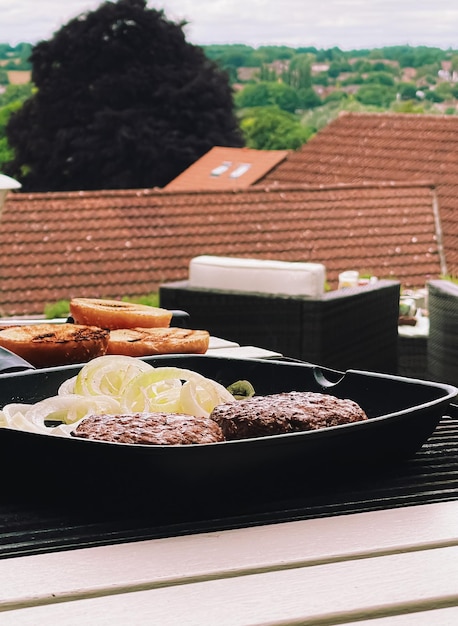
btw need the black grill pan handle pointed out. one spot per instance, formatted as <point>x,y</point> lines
<point>11,362</point>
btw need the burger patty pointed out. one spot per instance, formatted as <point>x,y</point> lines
<point>150,428</point>
<point>258,416</point>
<point>280,413</point>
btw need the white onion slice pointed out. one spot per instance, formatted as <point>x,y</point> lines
<point>130,385</point>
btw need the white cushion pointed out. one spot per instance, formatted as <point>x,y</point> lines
<point>257,275</point>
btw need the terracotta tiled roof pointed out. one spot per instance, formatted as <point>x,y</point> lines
<point>227,168</point>
<point>382,147</point>
<point>114,243</point>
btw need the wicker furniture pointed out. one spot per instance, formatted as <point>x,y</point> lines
<point>413,357</point>
<point>354,328</point>
<point>443,331</point>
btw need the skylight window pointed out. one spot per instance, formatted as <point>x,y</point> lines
<point>240,170</point>
<point>221,169</point>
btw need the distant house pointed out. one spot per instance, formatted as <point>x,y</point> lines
<point>447,73</point>
<point>323,91</point>
<point>390,62</point>
<point>245,74</point>
<point>318,68</point>
<point>279,66</point>
<point>19,77</point>
<point>409,74</point>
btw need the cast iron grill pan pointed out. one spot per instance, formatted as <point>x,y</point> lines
<point>72,493</point>
<point>35,526</point>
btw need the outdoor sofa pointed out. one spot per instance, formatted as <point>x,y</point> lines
<point>442,347</point>
<point>351,328</point>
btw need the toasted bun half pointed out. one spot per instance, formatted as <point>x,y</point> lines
<point>49,345</point>
<point>114,314</point>
<point>149,341</point>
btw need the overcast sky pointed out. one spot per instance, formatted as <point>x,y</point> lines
<point>348,24</point>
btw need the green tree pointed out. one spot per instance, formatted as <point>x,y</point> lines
<point>454,62</point>
<point>275,53</point>
<point>408,106</point>
<point>431,80</point>
<point>266,94</point>
<point>236,55</point>
<point>267,74</point>
<point>409,56</point>
<point>433,96</point>
<point>336,96</point>
<point>253,95</point>
<point>231,57</point>
<point>122,101</point>
<point>23,51</point>
<point>361,66</point>
<point>381,78</point>
<point>15,93</point>
<point>428,71</point>
<point>407,91</point>
<point>308,98</point>
<point>376,95</point>
<point>6,153</point>
<point>353,79</point>
<point>299,73</point>
<point>338,66</point>
<point>384,67</point>
<point>320,79</point>
<point>284,96</point>
<point>5,50</point>
<point>270,128</point>
<point>445,91</point>
<point>10,101</point>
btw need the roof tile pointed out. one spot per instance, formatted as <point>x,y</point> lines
<point>227,168</point>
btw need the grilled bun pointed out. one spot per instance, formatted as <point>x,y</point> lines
<point>149,341</point>
<point>113,314</point>
<point>49,345</point>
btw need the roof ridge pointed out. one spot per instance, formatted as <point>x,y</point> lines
<point>429,116</point>
<point>154,191</point>
<point>365,184</point>
<point>88,193</point>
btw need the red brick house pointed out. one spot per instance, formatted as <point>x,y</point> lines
<point>114,243</point>
<point>372,147</point>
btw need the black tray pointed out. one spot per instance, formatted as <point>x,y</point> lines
<point>403,413</point>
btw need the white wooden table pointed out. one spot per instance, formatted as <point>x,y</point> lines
<point>396,567</point>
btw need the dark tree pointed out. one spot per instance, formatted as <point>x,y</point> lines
<point>122,101</point>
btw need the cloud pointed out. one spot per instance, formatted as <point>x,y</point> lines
<point>326,23</point>
<point>31,21</point>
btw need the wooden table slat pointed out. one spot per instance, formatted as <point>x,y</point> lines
<point>325,594</point>
<point>434,617</point>
<point>411,551</point>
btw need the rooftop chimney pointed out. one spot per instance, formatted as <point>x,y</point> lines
<point>6,183</point>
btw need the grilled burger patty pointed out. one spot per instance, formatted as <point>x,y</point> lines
<point>289,412</point>
<point>150,428</point>
<point>258,416</point>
